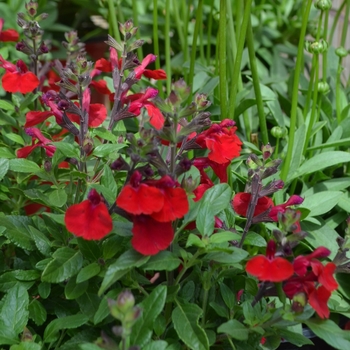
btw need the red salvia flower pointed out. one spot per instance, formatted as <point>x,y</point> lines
<point>141,100</point>
<point>151,236</point>
<point>36,117</point>
<point>139,198</point>
<point>220,170</point>
<point>9,34</point>
<point>157,74</point>
<point>221,141</point>
<point>242,199</point>
<point>89,219</point>
<point>17,77</point>
<point>318,299</point>
<point>270,268</point>
<point>281,208</point>
<point>42,141</point>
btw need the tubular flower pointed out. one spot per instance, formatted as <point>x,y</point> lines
<point>153,204</point>
<point>89,219</point>
<point>17,77</point>
<point>141,100</point>
<point>281,208</point>
<point>313,279</point>
<point>42,142</point>
<point>269,268</point>
<point>221,141</point>
<point>9,34</point>
<point>157,74</point>
<point>241,202</point>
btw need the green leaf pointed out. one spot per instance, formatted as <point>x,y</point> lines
<point>107,180</point>
<point>194,240</point>
<point>44,289</point>
<point>185,319</point>
<point>37,312</point>
<point>222,237</point>
<point>26,346</point>
<point>7,106</point>
<point>330,333</point>
<point>294,338</point>
<point>105,134</point>
<point>23,166</point>
<point>163,261</point>
<point>17,230</point>
<point>14,314</point>
<point>74,290</point>
<point>152,306</point>
<point>58,197</point>
<point>108,150</point>
<point>68,149</point>
<point>322,202</point>
<point>15,138</point>
<point>320,161</point>
<point>156,345</point>
<point>215,199</point>
<point>6,153</point>
<point>235,329</point>
<point>41,241</point>
<point>232,255</point>
<point>121,266</point>
<point>67,322</point>
<point>88,272</point>
<point>4,166</point>
<point>89,249</point>
<point>66,263</point>
<point>244,105</point>
<point>227,295</point>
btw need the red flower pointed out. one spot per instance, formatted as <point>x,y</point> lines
<point>242,199</point>
<point>318,299</point>
<point>17,78</point>
<point>42,142</point>
<point>96,112</point>
<point>106,66</point>
<point>281,208</point>
<point>151,236</point>
<point>36,117</point>
<point>141,100</point>
<point>220,170</point>
<point>89,219</point>
<point>270,268</point>
<point>221,141</point>
<point>9,34</point>
<point>157,74</point>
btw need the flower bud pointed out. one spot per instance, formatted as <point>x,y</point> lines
<point>299,301</point>
<point>323,5</point>
<point>278,132</point>
<point>323,87</point>
<point>88,145</point>
<point>125,301</point>
<point>253,162</point>
<point>341,52</point>
<point>202,102</point>
<point>181,89</point>
<point>316,47</point>
<point>267,151</point>
<point>31,8</point>
<point>47,166</point>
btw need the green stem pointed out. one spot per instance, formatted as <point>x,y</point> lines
<point>156,44</point>
<point>204,305</point>
<point>336,21</point>
<point>179,25</point>
<point>325,53</point>
<point>295,93</point>
<point>256,84</point>
<point>194,46</point>
<point>338,90</point>
<point>135,15</point>
<point>167,46</point>
<point>210,28</point>
<point>186,11</point>
<point>345,24</point>
<point>222,60</point>
<point>113,21</point>
<point>237,66</point>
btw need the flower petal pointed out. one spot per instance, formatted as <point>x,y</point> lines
<point>318,300</point>
<point>151,236</point>
<point>16,82</point>
<point>155,115</point>
<point>97,114</point>
<point>36,117</point>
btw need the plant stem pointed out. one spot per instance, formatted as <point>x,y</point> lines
<point>210,28</point>
<point>167,46</point>
<point>194,47</point>
<point>135,15</point>
<point>238,60</point>
<point>222,60</point>
<point>295,93</point>
<point>156,44</point>
<point>204,305</point>
<point>256,84</point>
<point>113,20</point>
<point>336,21</point>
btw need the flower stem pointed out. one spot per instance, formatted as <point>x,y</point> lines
<point>256,84</point>
<point>222,60</point>
<point>295,93</point>
<point>136,22</point>
<point>167,47</point>
<point>238,60</point>
<point>113,20</point>
<point>156,44</point>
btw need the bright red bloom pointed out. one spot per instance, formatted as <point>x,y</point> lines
<point>221,141</point>
<point>96,112</point>
<point>9,34</point>
<point>157,74</point>
<point>106,66</point>
<point>318,299</point>
<point>281,208</point>
<point>220,170</point>
<point>36,117</point>
<point>242,199</point>
<point>270,268</point>
<point>101,87</point>
<point>17,77</point>
<point>42,142</point>
<point>141,100</point>
<point>151,236</point>
<point>89,219</point>
<point>139,198</point>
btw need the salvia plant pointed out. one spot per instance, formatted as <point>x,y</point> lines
<point>121,226</point>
